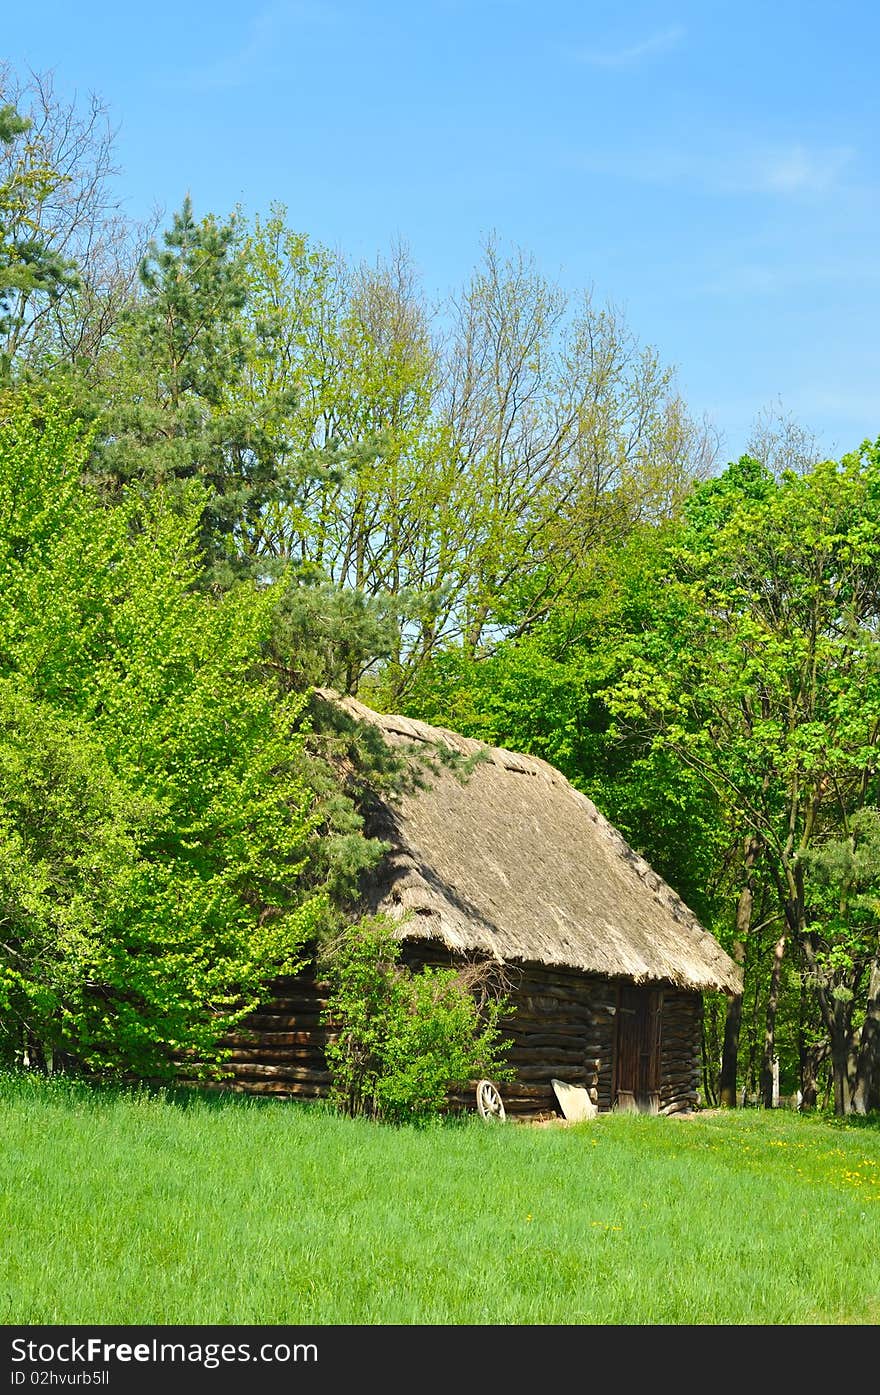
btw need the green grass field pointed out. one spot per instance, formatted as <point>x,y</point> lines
<point>141,1208</point>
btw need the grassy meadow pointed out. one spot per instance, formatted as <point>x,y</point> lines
<point>120,1207</point>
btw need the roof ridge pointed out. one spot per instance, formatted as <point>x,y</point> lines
<point>418,730</point>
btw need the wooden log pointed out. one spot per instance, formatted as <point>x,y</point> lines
<point>258,1071</point>
<point>543,1072</point>
<point>318,1035</point>
<point>522,1054</point>
<point>300,983</point>
<point>550,1034</point>
<point>279,1054</point>
<point>277,1021</point>
<point>308,1006</point>
<point>523,1090</point>
<point>278,1089</point>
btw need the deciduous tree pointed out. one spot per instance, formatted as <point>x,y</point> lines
<point>167,843</point>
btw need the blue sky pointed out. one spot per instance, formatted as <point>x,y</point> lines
<point>711,168</point>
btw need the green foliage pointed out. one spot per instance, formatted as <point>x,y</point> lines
<point>844,909</point>
<point>712,681</point>
<point>164,849</point>
<point>758,670</point>
<point>329,635</point>
<point>403,1039</point>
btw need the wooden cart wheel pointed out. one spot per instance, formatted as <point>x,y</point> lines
<point>489,1101</point>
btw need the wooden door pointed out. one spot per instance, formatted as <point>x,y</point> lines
<point>637,1055</point>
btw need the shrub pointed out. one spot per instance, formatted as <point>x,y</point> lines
<point>403,1038</point>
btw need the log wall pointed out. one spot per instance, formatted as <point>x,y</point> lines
<point>279,1050</point>
<point>679,1050</point>
<point>564,1026</point>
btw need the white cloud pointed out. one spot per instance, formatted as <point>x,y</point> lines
<point>765,278</point>
<point>796,169</point>
<point>785,171</point>
<point>631,54</point>
<point>266,40</point>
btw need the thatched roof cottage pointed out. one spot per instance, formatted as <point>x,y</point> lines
<point>605,964</point>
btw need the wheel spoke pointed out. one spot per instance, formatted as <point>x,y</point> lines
<point>489,1103</point>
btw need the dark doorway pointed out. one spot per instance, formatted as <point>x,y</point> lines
<point>637,1058</point>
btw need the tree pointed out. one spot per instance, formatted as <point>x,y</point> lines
<point>351,347</point>
<point>167,842</point>
<point>781,443</point>
<point>566,430</point>
<point>172,414</point>
<point>29,266</point>
<point>68,255</point>
<point>455,481</point>
<point>759,672</point>
<point>843,876</point>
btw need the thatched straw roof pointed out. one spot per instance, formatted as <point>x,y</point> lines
<point>515,863</point>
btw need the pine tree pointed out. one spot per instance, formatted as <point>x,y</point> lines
<point>174,414</point>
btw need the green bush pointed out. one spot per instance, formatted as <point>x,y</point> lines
<point>403,1038</point>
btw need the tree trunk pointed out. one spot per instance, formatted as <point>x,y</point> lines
<point>841,1042</point>
<point>475,631</point>
<point>733,1020</point>
<point>770,1031</point>
<point>808,1064</point>
<point>837,1017</point>
<point>710,1052</point>
<point>811,1058</point>
<point>866,1095</point>
<point>730,1050</point>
